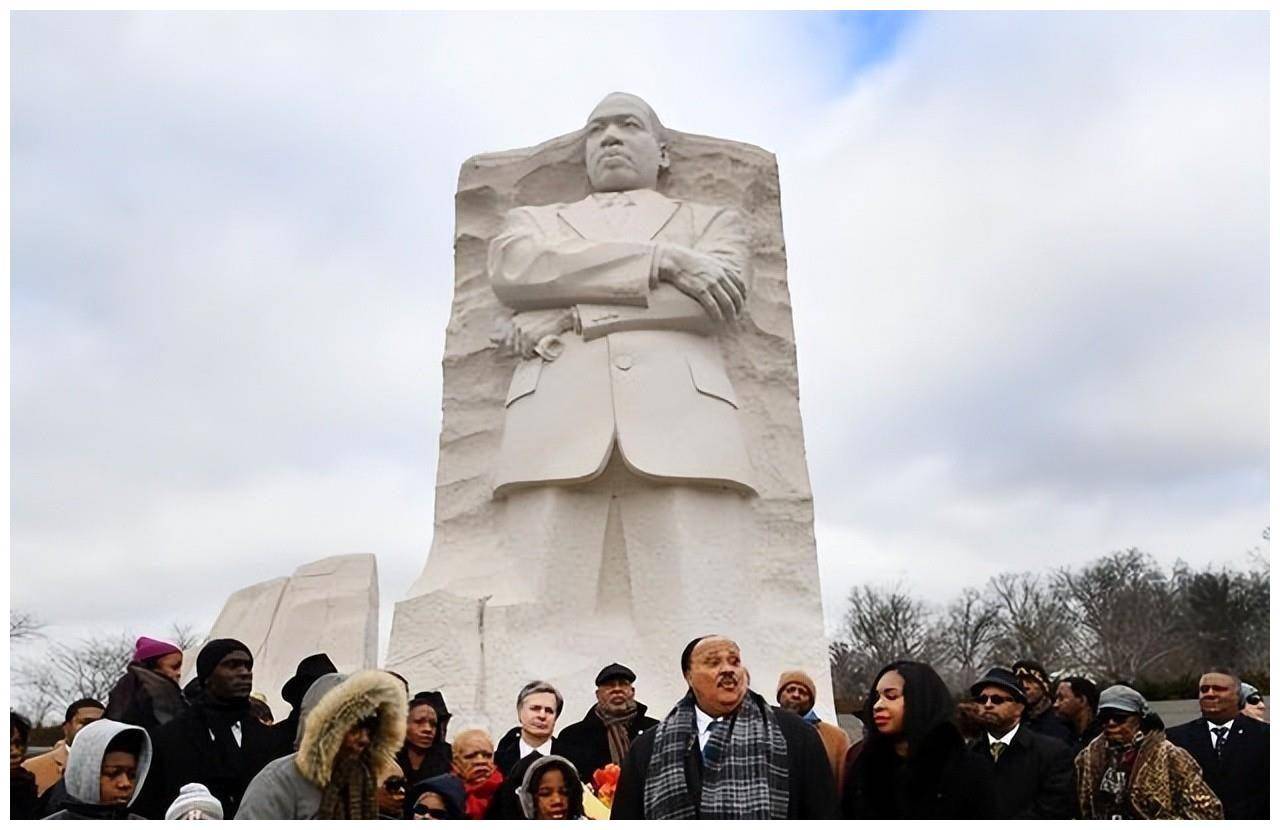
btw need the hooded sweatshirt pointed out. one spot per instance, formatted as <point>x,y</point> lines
<point>528,796</point>
<point>83,777</point>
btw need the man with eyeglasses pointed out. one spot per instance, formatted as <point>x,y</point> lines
<point>1232,750</point>
<point>1032,772</point>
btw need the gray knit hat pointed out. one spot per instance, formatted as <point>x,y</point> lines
<point>194,797</point>
<point>1122,699</point>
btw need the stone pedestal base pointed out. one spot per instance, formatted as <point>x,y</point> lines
<point>480,655</point>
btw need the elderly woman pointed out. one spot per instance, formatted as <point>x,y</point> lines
<point>1131,771</point>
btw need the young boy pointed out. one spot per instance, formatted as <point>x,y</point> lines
<point>105,769</point>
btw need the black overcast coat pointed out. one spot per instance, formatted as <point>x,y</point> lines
<point>812,789</point>
<point>1240,778</point>
<point>1034,778</point>
<point>586,743</point>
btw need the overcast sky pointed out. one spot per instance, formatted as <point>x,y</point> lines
<point>1028,260</point>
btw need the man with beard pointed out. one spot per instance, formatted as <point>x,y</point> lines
<point>605,734</point>
<point>724,752</point>
<point>1231,749</point>
<point>217,741</point>
<point>1032,772</point>
<point>798,693</point>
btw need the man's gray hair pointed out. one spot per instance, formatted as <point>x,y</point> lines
<point>537,687</point>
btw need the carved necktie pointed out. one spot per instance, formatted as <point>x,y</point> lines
<point>996,749</point>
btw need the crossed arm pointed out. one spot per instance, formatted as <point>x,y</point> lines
<point>599,287</point>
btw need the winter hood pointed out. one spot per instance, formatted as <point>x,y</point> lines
<point>362,695</point>
<point>528,802</point>
<point>84,763</point>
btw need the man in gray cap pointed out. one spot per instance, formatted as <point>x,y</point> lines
<point>604,735</point>
<point>1032,772</point>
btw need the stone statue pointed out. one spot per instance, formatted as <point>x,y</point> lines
<point>623,513</point>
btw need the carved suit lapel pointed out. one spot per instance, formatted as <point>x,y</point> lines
<point>650,214</point>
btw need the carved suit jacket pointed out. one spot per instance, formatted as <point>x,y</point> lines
<point>644,371</point>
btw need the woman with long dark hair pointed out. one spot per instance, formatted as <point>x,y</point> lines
<point>912,761</point>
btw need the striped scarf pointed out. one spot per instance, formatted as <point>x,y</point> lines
<point>618,730</point>
<point>744,775</point>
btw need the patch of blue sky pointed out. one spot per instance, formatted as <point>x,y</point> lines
<point>856,41</point>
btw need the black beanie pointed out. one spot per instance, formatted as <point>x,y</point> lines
<point>213,652</point>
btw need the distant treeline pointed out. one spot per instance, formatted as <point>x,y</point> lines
<point>1119,619</point>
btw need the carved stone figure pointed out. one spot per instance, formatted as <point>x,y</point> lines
<point>624,513</point>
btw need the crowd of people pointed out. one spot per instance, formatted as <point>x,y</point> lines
<point>362,746</point>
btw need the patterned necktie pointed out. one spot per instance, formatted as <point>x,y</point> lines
<point>996,749</point>
<point>1219,737</point>
<point>711,749</point>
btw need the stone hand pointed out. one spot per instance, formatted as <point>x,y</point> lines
<point>528,328</point>
<point>716,287</point>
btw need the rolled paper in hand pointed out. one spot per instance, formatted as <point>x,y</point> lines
<point>549,347</point>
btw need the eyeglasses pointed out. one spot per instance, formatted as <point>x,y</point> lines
<point>434,812</point>
<point>394,784</point>
<point>1113,716</point>
<point>1253,700</point>
<point>996,700</point>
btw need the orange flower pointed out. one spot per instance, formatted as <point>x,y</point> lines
<point>605,780</point>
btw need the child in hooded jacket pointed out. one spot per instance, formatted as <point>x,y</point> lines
<point>106,767</point>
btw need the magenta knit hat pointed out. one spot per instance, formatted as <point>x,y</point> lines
<point>148,649</point>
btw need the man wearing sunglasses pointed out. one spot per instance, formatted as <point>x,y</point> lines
<point>1231,749</point>
<point>1033,772</point>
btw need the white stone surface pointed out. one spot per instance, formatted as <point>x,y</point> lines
<point>330,606</point>
<point>487,615</point>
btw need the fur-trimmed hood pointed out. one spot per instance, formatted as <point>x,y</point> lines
<point>362,695</point>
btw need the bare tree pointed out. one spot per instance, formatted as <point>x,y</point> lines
<point>1125,614</point>
<point>1225,618</point>
<point>185,636</point>
<point>1033,620</point>
<point>66,672</point>
<point>883,625</point>
<point>967,635</point>
<point>24,626</point>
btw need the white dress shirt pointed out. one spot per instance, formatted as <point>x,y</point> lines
<point>237,732</point>
<point>1213,736</point>
<point>1007,739</point>
<point>544,748</point>
<point>704,722</point>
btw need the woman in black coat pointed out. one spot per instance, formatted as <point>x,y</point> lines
<point>912,763</point>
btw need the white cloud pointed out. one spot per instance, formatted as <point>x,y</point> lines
<point>1033,250</point>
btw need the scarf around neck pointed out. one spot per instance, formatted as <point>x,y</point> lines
<point>618,730</point>
<point>745,775</point>
<point>479,795</point>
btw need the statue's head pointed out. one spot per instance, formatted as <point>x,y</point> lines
<point>626,145</point>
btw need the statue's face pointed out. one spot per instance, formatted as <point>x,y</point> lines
<point>622,147</point>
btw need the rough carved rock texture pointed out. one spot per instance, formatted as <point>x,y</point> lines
<point>330,606</point>
<point>445,635</point>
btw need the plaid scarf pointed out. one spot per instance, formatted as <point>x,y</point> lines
<point>744,775</point>
<point>618,730</point>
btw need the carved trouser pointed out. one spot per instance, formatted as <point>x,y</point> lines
<point>621,569</point>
